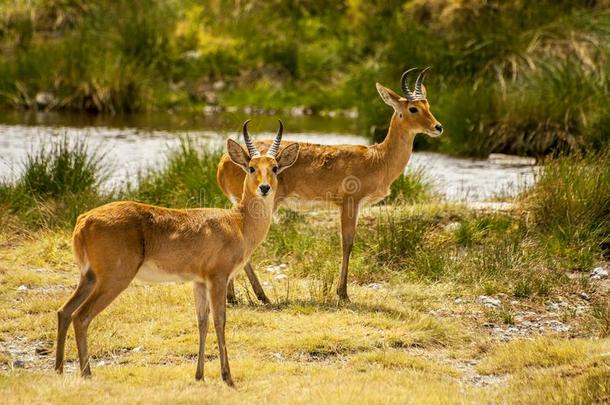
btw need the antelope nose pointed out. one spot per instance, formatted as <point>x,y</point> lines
<point>439,128</point>
<point>264,188</point>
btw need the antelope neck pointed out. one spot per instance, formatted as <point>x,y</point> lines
<point>256,213</point>
<point>395,150</point>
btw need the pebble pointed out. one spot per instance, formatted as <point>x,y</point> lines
<point>489,302</point>
<point>280,276</point>
<point>18,364</point>
<point>452,226</point>
<point>458,301</point>
<point>375,286</point>
<point>599,273</point>
<point>137,349</point>
<point>22,288</point>
<point>558,326</point>
<point>42,351</point>
<point>584,296</point>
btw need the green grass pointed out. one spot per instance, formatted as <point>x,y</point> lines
<point>187,179</point>
<point>59,181</point>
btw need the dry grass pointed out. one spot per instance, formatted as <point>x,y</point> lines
<point>406,342</point>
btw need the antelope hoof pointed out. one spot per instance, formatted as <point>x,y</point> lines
<point>343,297</point>
<point>229,381</point>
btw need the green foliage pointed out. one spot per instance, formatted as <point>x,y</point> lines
<point>512,76</point>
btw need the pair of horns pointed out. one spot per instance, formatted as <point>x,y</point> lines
<point>418,94</point>
<point>275,146</point>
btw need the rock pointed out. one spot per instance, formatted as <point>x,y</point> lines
<point>511,160</point>
<point>18,364</point>
<point>599,273</point>
<point>458,301</point>
<point>280,276</point>
<point>452,226</point>
<point>297,111</point>
<point>275,269</point>
<point>22,288</point>
<point>138,349</point>
<point>553,306</point>
<point>44,99</point>
<point>584,296</point>
<point>219,85</point>
<point>489,302</point>
<point>375,286</point>
<point>191,55</point>
<point>42,351</point>
<point>558,326</point>
<point>211,109</point>
<point>278,356</point>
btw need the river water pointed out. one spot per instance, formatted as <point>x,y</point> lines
<point>136,142</point>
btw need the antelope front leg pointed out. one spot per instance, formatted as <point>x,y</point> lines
<point>203,311</point>
<point>218,294</point>
<point>349,218</point>
<point>256,285</point>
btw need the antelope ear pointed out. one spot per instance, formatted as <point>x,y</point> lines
<point>288,156</point>
<point>238,155</point>
<point>389,97</point>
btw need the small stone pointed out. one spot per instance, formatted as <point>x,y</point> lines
<point>599,273</point>
<point>458,301</point>
<point>18,364</point>
<point>44,99</point>
<point>559,327</point>
<point>280,276</point>
<point>22,288</point>
<point>375,286</point>
<point>283,266</point>
<point>489,302</point>
<point>137,349</point>
<point>553,306</point>
<point>584,296</point>
<point>42,351</point>
<point>452,226</point>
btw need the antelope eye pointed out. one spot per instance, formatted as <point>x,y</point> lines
<point>412,110</point>
<point>251,169</point>
<point>274,169</point>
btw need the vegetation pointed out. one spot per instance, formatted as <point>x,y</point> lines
<point>509,76</point>
<point>417,325</point>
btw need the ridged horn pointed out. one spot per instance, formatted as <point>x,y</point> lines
<point>249,144</point>
<point>275,146</point>
<point>404,85</point>
<point>420,80</point>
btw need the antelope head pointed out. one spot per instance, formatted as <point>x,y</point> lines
<point>262,170</point>
<point>412,108</point>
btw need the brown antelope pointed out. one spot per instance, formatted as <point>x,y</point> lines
<point>119,241</point>
<point>348,176</point>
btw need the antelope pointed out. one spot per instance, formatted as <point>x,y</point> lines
<point>117,242</point>
<point>348,176</point>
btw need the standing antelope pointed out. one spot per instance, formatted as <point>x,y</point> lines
<point>119,241</point>
<point>348,176</point>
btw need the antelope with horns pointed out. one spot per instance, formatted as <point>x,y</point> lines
<point>348,176</point>
<point>120,241</point>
